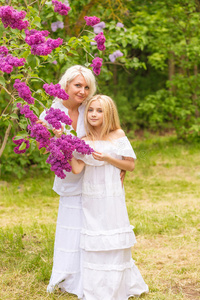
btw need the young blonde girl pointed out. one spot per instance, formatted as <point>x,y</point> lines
<point>109,272</point>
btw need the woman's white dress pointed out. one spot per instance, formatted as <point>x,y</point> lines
<point>66,272</point>
<point>109,272</point>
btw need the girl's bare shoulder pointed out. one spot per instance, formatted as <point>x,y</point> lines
<point>116,134</point>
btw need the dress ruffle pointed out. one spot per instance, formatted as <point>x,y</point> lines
<point>107,240</point>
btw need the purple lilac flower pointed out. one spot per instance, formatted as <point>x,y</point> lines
<point>61,150</point>
<point>60,8</point>
<point>100,39</point>
<point>54,43</point>
<point>7,61</point>
<point>13,18</point>
<point>93,43</point>
<point>96,65</point>
<point>56,91</point>
<point>39,45</point>
<point>23,91</point>
<point>56,25</point>
<point>115,55</point>
<point>27,112</point>
<point>91,21</point>
<point>41,134</point>
<point>54,62</point>
<point>99,27</point>
<point>3,50</point>
<point>121,25</point>
<point>55,116</point>
<point>19,142</point>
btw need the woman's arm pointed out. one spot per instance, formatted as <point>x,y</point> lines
<point>126,164</point>
<point>77,165</point>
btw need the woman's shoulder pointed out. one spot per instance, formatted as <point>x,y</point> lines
<point>116,134</point>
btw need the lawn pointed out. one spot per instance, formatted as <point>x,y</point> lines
<point>163,199</point>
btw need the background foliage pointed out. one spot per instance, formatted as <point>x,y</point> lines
<point>155,83</point>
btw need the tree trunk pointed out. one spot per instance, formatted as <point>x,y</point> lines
<point>80,21</point>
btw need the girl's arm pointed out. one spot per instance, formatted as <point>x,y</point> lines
<point>77,165</point>
<point>126,164</point>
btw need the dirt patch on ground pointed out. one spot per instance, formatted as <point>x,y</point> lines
<point>190,291</point>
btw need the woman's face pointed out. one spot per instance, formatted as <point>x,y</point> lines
<point>78,89</point>
<point>95,114</point>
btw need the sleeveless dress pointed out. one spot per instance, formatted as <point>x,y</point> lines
<point>66,272</point>
<point>109,272</point>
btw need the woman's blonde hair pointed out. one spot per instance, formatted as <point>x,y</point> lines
<point>110,116</point>
<point>74,71</point>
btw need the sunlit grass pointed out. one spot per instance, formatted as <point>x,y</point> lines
<point>162,197</point>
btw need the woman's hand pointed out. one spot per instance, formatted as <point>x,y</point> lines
<point>122,176</point>
<point>58,132</point>
<point>100,156</point>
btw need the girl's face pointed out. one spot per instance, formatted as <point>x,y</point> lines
<point>95,114</point>
<point>78,89</point>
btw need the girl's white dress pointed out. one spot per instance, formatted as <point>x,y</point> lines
<point>109,272</point>
<point>66,272</point>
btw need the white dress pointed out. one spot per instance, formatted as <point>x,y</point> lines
<point>109,272</point>
<point>66,272</point>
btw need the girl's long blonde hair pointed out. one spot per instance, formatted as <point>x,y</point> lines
<point>110,117</point>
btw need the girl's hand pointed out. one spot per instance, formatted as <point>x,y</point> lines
<point>58,132</point>
<point>100,156</point>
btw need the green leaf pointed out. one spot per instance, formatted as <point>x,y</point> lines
<point>18,76</point>
<point>21,135</point>
<point>73,132</point>
<point>2,81</point>
<point>67,127</point>
<point>32,61</point>
<point>23,146</point>
<point>42,150</point>
<point>14,116</point>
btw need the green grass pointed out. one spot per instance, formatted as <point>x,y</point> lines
<point>162,195</point>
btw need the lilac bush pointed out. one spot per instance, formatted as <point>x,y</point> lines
<point>115,55</point>
<point>7,61</point>
<point>100,39</point>
<point>23,91</point>
<point>13,18</point>
<point>91,21</point>
<point>55,116</point>
<point>96,65</point>
<point>56,91</point>
<point>60,7</point>
<point>19,143</point>
<point>99,27</point>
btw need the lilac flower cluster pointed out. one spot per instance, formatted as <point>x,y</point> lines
<point>23,91</point>
<point>56,91</point>
<point>41,134</point>
<point>99,27</point>
<point>39,45</point>
<point>55,116</point>
<point>60,8</point>
<point>7,61</point>
<point>61,150</point>
<point>100,39</point>
<point>13,18</point>
<point>56,25</point>
<point>96,65</point>
<point>91,21</point>
<point>19,142</point>
<point>27,112</point>
<point>121,25</point>
<point>115,55</point>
